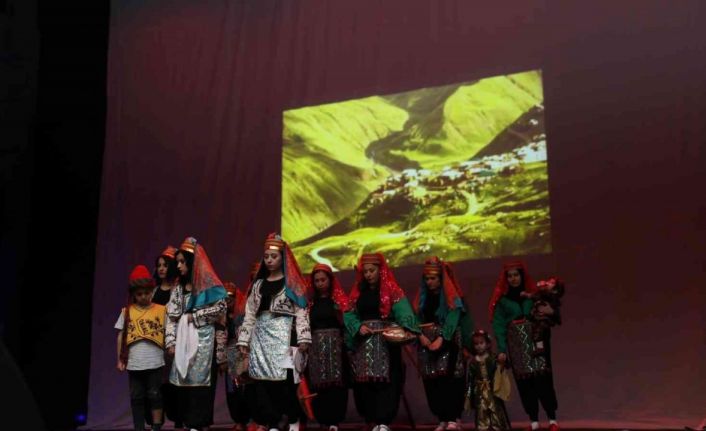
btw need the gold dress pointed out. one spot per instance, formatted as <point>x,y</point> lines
<point>490,410</point>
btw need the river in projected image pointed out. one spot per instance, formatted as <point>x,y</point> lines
<point>458,171</point>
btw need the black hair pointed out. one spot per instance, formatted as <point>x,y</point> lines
<point>515,293</point>
<point>487,339</point>
<point>189,260</point>
<point>330,283</point>
<point>262,271</point>
<point>172,272</point>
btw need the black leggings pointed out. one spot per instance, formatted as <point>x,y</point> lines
<point>445,397</point>
<point>237,400</point>
<point>378,402</point>
<point>196,402</point>
<point>273,399</point>
<point>535,390</point>
<point>144,386</point>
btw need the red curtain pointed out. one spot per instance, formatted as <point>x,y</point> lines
<point>196,92</point>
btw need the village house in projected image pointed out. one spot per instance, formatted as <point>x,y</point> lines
<point>458,171</point>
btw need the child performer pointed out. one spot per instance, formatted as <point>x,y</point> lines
<point>140,348</point>
<point>480,393</point>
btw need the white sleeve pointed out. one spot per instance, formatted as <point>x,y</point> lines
<point>251,307</point>
<point>120,323</point>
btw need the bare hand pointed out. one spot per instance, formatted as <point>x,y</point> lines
<point>502,358</point>
<point>303,347</point>
<point>244,349</point>
<point>364,330</point>
<point>121,365</point>
<point>190,318</point>
<point>424,341</point>
<point>222,368</point>
<point>436,344</point>
<point>466,354</point>
<point>171,351</point>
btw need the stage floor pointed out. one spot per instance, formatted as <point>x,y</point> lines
<point>520,426</point>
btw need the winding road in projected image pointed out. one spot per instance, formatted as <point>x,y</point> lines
<point>473,205</point>
<point>315,253</point>
<point>320,259</point>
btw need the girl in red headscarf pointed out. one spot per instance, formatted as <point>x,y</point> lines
<point>326,358</point>
<point>510,311</point>
<point>446,324</point>
<point>376,302</point>
<point>275,332</point>
<point>197,307</point>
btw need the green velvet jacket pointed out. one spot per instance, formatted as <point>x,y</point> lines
<point>456,318</point>
<point>402,314</point>
<point>507,310</point>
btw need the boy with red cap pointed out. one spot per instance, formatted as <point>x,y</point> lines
<point>141,347</point>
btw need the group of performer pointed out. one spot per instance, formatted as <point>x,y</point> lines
<point>291,346</point>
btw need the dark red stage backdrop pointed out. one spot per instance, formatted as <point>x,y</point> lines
<point>196,92</point>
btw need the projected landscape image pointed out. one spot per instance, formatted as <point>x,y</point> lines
<point>458,171</point>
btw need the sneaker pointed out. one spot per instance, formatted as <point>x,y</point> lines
<point>452,426</point>
<point>440,427</point>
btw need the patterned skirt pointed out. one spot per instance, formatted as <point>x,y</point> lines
<point>326,358</point>
<point>269,346</point>
<point>370,359</point>
<point>441,362</point>
<point>521,348</point>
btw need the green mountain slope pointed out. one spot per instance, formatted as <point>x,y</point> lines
<point>474,115</point>
<point>325,171</point>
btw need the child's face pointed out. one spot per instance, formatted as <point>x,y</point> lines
<point>181,264</point>
<point>480,345</point>
<point>162,268</point>
<point>273,260</point>
<point>143,297</point>
<point>432,281</point>
<point>321,282</point>
<point>371,272</point>
<point>514,278</point>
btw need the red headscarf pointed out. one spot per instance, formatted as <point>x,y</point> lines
<point>235,294</point>
<point>337,294</point>
<point>390,291</point>
<point>451,287</point>
<point>254,269</point>
<point>501,286</point>
<point>203,276</point>
<point>207,287</point>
